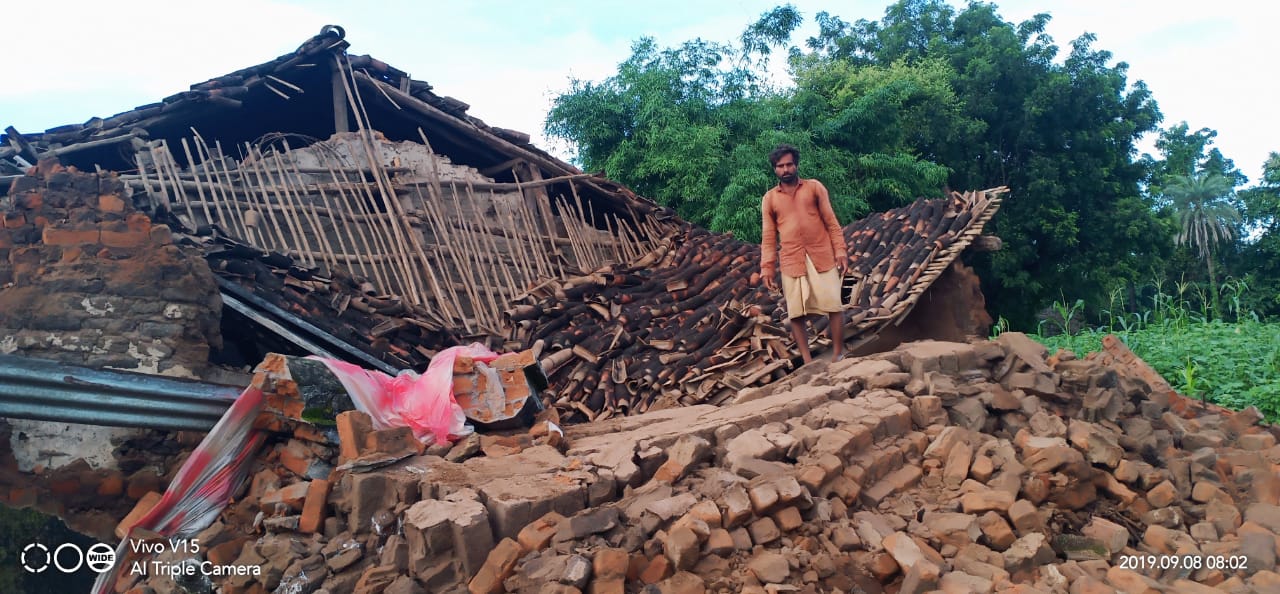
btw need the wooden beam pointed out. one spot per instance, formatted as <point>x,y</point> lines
<point>501,167</point>
<point>340,123</point>
<point>20,143</point>
<point>479,135</point>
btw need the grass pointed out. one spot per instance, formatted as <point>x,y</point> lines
<point>1234,364</point>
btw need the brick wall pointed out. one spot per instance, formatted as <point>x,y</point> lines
<point>88,280</point>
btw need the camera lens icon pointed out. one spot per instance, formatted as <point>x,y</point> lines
<point>36,558</point>
<point>67,558</point>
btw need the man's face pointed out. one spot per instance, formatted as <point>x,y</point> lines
<point>785,169</point>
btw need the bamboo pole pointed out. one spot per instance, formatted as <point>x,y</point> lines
<point>509,234</point>
<point>307,210</point>
<point>341,234</point>
<point>538,249</point>
<point>571,219</point>
<point>447,240</point>
<point>191,164</point>
<point>486,237</point>
<point>439,196</point>
<point>409,284</point>
<point>263,239</point>
<point>164,169</point>
<point>391,199</point>
<point>256,159</point>
<point>634,242</point>
<point>579,227</point>
<point>468,240</point>
<point>427,268</point>
<point>265,199</point>
<point>142,170</point>
<point>230,219</point>
<point>590,223</point>
<point>447,299</point>
<point>370,246</point>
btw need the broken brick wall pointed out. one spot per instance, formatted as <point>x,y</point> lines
<point>952,309</point>
<point>85,279</point>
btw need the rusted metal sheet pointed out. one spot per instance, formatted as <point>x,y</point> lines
<point>49,391</point>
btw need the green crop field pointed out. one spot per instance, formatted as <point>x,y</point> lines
<point>1232,364</point>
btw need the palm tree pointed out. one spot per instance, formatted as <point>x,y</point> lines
<point>1205,217</point>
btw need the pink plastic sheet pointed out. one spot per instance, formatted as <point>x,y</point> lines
<point>424,403</point>
<point>221,463</point>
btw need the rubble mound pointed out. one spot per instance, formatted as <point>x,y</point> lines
<point>983,467</point>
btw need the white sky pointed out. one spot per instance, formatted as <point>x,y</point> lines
<point>507,59</point>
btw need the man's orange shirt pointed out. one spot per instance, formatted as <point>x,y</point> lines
<point>808,227</point>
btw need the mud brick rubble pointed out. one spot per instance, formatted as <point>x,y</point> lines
<point>939,466</point>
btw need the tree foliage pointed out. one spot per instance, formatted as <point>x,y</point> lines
<point>928,97</point>
<point>1257,259</point>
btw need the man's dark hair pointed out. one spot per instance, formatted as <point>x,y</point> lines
<point>784,149</point>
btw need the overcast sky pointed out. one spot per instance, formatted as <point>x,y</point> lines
<point>507,59</point>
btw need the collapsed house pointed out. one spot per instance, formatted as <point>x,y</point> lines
<point>325,203</point>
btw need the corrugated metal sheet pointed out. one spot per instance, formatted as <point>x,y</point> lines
<point>50,391</point>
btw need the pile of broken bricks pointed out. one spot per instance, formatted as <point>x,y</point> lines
<point>983,467</point>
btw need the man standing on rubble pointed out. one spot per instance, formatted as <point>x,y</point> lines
<point>813,258</point>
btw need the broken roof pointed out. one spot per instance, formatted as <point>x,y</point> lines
<point>300,93</point>
<point>453,264</point>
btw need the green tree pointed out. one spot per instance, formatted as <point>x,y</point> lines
<point>690,126</point>
<point>1258,257</point>
<point>1061,135</point>
<point>1188,153</point>
<point>884,111</point>
<point>1205,216</point>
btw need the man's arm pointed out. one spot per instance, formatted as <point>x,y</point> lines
<point>832,224</point>
<point>768,243</point>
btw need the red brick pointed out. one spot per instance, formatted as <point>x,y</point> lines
<point>498,567</point>
<point>22,497</point>
<point>309,433</point>
<point>293,496</point>
<point>138,222</point>
<point>160,235</point>
<point>65,486</point>
<point>142,483</point>
<point>227,552</point>
<point>112,485</point>
<point>125,239</point>
<point>537,534</point>
<point>313,510</point>
<point>636,566</point>
<point>52,236</point>
<point>353,427</point>
<point>110,203</point>
<point>659,569</point>
<point>71,254</point>
<point>296,457</point>
<point>610,564</point>
<point>143,506</point>
<point>788,519</point>
<point>31,200</point>
<point>392,441</point>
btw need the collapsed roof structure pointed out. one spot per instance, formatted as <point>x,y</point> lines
<point>326,203</point>
<point>349,211</point>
